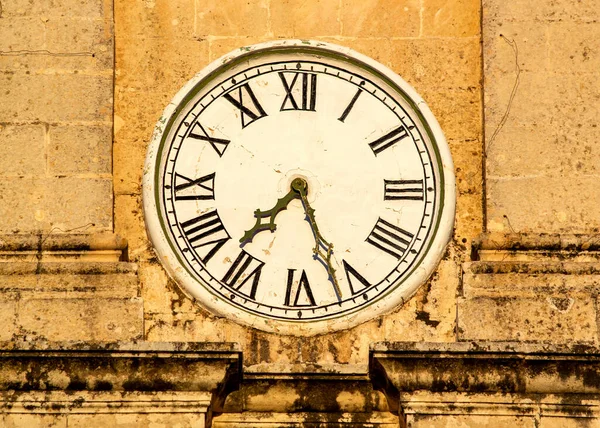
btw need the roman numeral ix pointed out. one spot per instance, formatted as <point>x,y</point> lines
<point>403,189</point>
<point>308,90</point>
<point>244,268</point>
<point>390,238</point>
<point>244,99</point>
<point>206,234</point>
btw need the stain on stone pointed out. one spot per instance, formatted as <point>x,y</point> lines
<point>425,317</point>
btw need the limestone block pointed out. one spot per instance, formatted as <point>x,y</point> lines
<point>129,222</point>
<point>24,420</point>
<point>140,420</point>
<point>457,111</point>
<point>522,307</point>
<point>514,43</point>
<point>523,10</point>
<point>297,18</point>
<point>231,18</point>
<point>79,37</point>
<point>68,210</point>
<point>375,18</point>
<point>23,150</point>
<point>22,204</point>
<point>155,292</point>
<point>68,280</point>
<point>553,208</point>
<point>573,47</point>
<point>476,421</point>
<point>57,97</point>
<point>79,149</point>
<point>22,34</point>
<point>224,45</point>
<point>162,19</point>
<point>569,422</point>
<point>101,319</point>
<point>142,65</point>
<point>531,149</point>
<point>49,8</point>
<point>8,316</point>
<point>455,18</point>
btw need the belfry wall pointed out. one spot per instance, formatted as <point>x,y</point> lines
<point>95,333</point>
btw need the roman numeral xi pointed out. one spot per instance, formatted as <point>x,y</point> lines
<point>244,99</point>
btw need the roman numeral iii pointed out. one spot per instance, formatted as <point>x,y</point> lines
<point>245,100</point>
<point>389,139</point>
<point>244,274</point>
<point>206,234</point>
<point>403,189</point>
<point>307,85</point>
<point>390,238</point>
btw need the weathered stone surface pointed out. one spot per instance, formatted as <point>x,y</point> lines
<point>372,18</point>
<point>80,149</point>
<point>61,319</point>
<point>551,307</point>
<point>479,421</point>
<point>34,98</point>
<point>456,18</point>
<point>232,18</point>
<point>68,280</point>
<point>24,150</point>
<point>293,19</point>
<point>49,8</point>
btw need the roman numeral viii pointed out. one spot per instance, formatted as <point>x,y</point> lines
<point>298,293</point>
<point>390,238</point>
<point>307,85</point>
<point>244,268</point>
<point>200,188</point>
<point>403,189</point>
<point>389,139</point>
<point>244,99</point>
<point>206,234</point>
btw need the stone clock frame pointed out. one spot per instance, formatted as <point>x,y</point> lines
<point>426,260</point>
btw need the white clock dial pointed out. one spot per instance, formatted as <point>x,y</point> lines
<point>298,187</point>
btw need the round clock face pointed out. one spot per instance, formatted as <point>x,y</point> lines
<point>298,187</point>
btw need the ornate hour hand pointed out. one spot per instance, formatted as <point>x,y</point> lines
<point>281,205</point>
<point>320,242</point>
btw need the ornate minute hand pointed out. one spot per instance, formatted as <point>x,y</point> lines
<point>320,242</point>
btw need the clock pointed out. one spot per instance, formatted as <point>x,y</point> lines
<point>298,187</point>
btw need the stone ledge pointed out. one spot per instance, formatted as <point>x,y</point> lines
<point>101,247</point>
<point>145,366</point>
<point>524,247</point>
<point>486,367</point>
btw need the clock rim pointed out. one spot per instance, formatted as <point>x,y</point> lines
<point>171,260</point>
